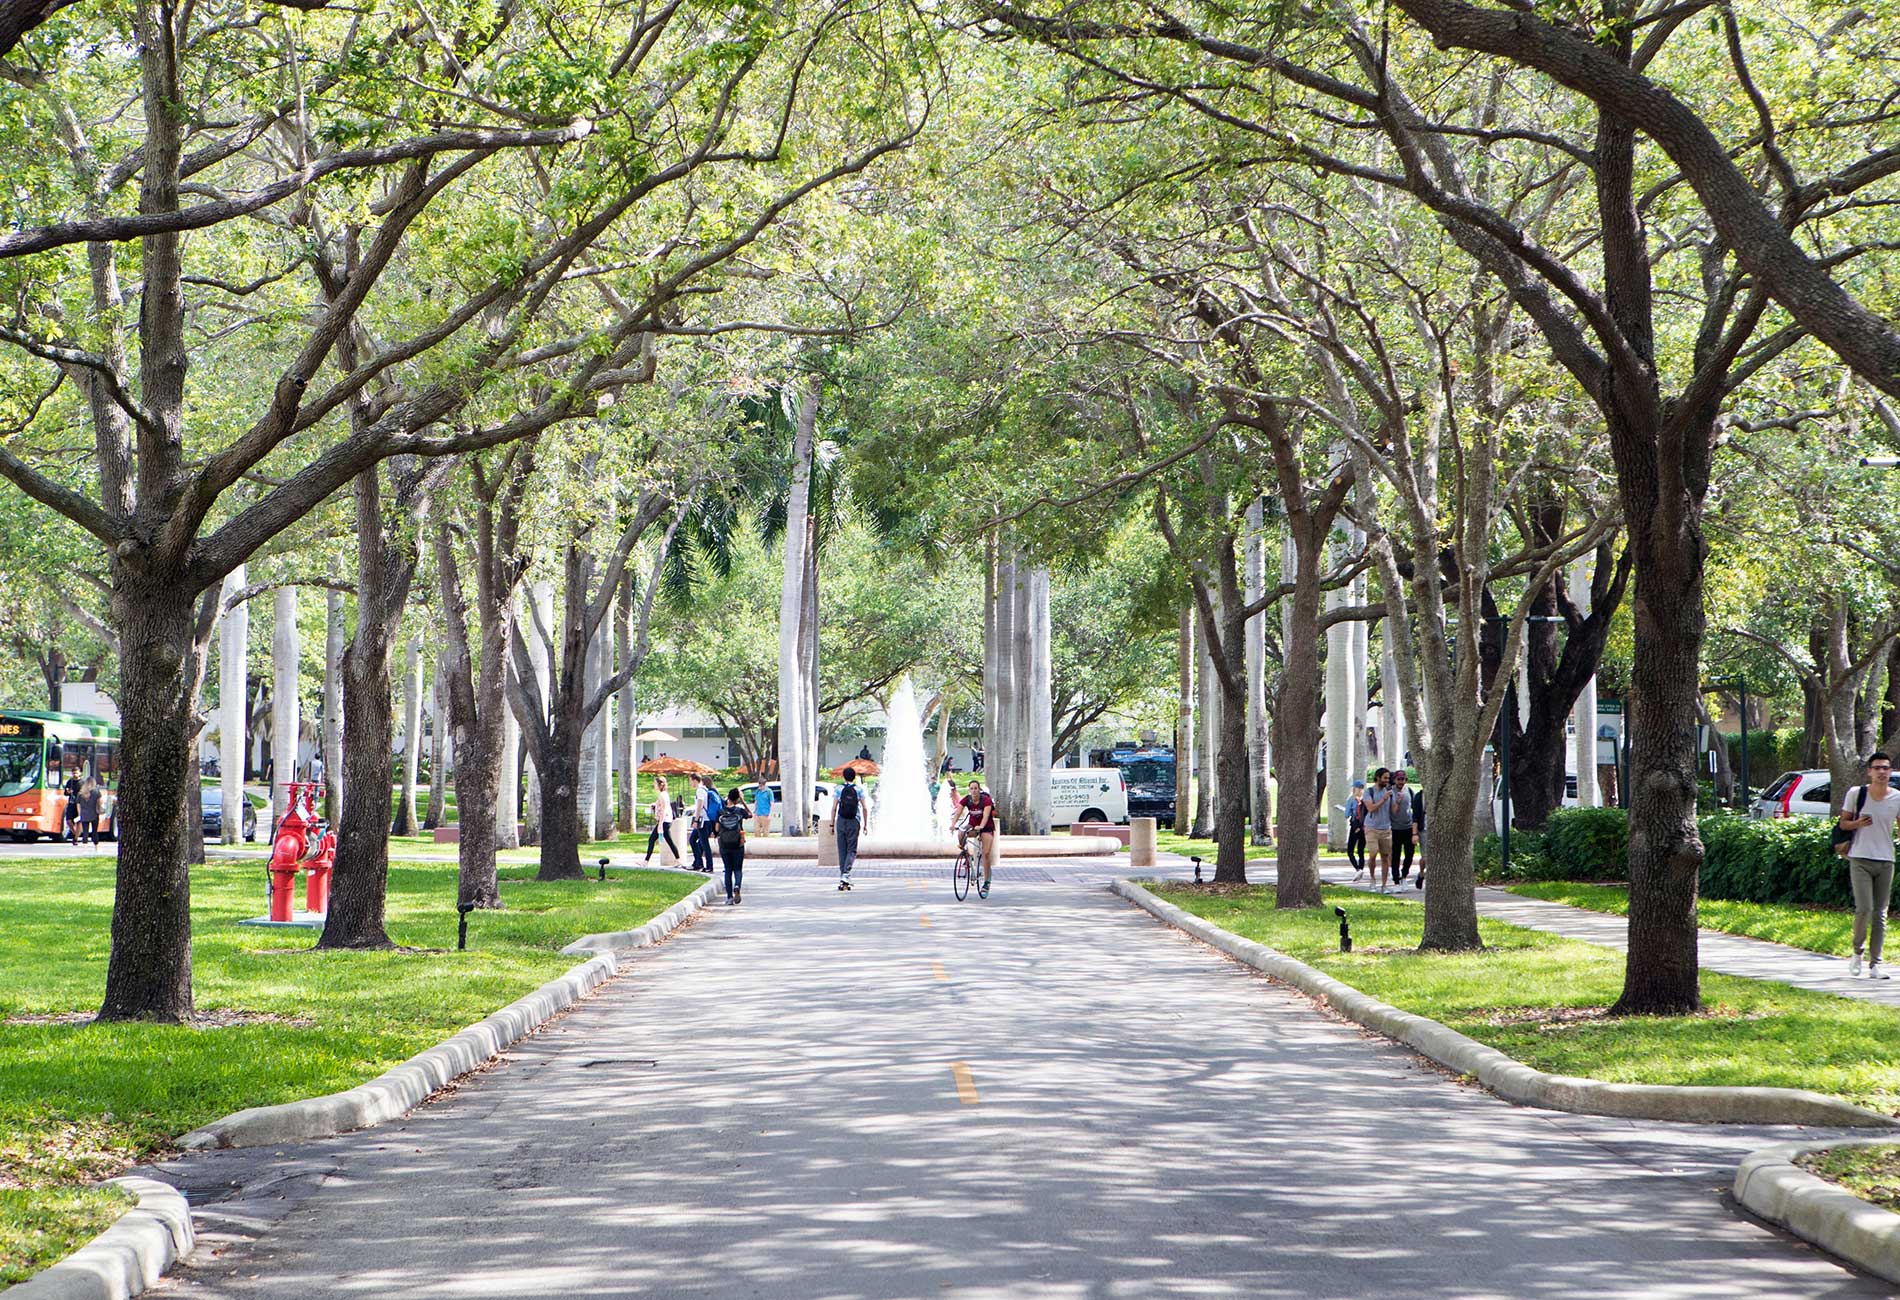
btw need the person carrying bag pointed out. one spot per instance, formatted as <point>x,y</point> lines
<point>1865,838</point>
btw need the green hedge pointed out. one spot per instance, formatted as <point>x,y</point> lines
<point>1786,860</point>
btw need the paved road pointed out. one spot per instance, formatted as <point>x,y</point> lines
<point>1047,1096</point>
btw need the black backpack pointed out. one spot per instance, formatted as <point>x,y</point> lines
<point>1843,840</point>
<point>731,825</point>
<point>848,802</point>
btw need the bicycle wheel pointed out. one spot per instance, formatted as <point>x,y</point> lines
<point>960,876</point>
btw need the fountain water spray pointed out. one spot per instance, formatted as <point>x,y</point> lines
<point>903,787</point>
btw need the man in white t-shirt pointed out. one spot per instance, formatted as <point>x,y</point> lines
<point>1870,859</point>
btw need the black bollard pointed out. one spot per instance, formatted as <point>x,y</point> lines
<point>603,871</point>
<point>461,932</point>
<point>1345,931</point>
<point>1197,871</point>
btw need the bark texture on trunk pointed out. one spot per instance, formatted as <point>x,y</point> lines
<point>148,974</point>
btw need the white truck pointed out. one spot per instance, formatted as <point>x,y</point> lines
<point>1087,794</point>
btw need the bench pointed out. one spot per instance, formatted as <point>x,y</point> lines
<point>1106,829</point>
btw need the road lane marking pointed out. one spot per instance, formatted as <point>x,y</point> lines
<point>924,919</point>
<point>936,968</point>
<point>966,1086</point>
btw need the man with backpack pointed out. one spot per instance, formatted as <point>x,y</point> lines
<point>729,828</point>
<point>1868,811</point>
<point>708,805</point>
<point>846,821</point>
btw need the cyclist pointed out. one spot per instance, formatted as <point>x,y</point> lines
<point>979,813</point>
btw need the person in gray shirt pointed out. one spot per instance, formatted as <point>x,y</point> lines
<point>1870,860</point>
<point>1404,826</point>
<point>1378,801</point>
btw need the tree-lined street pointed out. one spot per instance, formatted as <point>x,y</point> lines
<point>739,1116</point>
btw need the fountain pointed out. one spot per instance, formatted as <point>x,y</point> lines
<point>904,822</point>
<point>903,790</point>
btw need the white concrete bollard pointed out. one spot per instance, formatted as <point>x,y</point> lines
<point>1141,842</point>
<point>664,852</point>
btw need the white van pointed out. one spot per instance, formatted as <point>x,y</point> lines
<point>1087,794</point>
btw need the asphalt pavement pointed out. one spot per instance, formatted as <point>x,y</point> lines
<point>1047,1095</point>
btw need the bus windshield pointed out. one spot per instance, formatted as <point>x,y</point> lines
<point>1149,771</point>
<point>19,766</point>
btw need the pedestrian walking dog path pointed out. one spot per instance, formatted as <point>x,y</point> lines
<point>1726,954</point>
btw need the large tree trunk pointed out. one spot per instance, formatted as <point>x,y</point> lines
<point>560,802</point>
<point>332,750</point>
<point>285,720</point>
<point>1040,722</point>
<point>233,710</point>
<point>1184,749</point>
<point>407,821</point>
<point>794,741</point>
<point>537,616</point>
<point>148,975</point>
<point>625,746</point>
<point>438,810</point>
<point>1296,730</point>
<point>360,881</point>
<point>1259,751</point>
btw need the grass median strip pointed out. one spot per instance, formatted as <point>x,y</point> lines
<point>1818,929</point>
<point>280,1022</point>
<point>1871,1173</point>
<point>1543,999</point>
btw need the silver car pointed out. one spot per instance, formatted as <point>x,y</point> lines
<point>1808,793</point>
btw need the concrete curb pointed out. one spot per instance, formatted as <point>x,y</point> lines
<point>1512,1079</point>
<point>1769,1184</point>
<point>126,1258</point>
<point>400,1089</point>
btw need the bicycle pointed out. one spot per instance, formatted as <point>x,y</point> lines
<point>967,869</point>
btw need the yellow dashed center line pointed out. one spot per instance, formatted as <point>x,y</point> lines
<point>966,1086</point>
<point>936,968</point>
<point>923,919</point>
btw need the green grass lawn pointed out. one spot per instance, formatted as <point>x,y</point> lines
<point>1818,929</point>
<point>1871,1173</point>
<point>81,1102</point>
<point>1541,998</point>
<point>41,1226</point>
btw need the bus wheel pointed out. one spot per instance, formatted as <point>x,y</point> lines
<point>24,837</point>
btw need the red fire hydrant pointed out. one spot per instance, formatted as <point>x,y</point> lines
<point>317,877</point>
<point>286,854</point>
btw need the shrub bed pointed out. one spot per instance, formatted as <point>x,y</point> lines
<point>1786,860</point>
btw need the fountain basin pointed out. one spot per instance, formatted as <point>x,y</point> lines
<point>1009,846</point>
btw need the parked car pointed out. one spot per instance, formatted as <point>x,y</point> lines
<point>1808,793</point>
<point>211,810</point>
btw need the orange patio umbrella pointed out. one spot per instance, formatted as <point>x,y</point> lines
<point>665,765</point>
<point>862,766</point>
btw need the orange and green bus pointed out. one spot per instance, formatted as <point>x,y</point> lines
<point>39,753</point>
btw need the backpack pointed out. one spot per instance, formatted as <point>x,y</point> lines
<point>1843,840</point>
<point>731,826</point>
<point>848,802</point>
<point>1356,816</point>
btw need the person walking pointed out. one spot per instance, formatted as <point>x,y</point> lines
<point>847,820</point>
<point>1418,835</point>
<point>710,805</point>
<point>1378,802</point>
<point>73,785</point>
<point>729,829</point>
<point>662,821</point>
<point>90,797</point>
<point>1356,829</point>
<point>1403,829</point>
<point>1870,859</point>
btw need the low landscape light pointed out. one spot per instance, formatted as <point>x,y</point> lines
<point>1197,871</point>
<point>461,930</point>
<point>603,871</point>
<point>1345,930</point>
